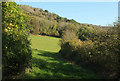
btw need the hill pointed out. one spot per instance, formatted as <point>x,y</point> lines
<point>43,22</point>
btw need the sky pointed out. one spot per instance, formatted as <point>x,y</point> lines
<point>119,12</point>
<point>97,13</point>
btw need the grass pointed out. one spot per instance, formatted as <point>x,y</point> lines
<point>47,63</point>
<point>45,43</point>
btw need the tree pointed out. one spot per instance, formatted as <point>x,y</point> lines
<point>85,33</point>
<point>69,35</point>
<point>46,11</point>
<point>16,51</point>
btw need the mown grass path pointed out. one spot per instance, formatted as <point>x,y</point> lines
<point>48,64</point>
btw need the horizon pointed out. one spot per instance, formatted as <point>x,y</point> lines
<point>96,13</point>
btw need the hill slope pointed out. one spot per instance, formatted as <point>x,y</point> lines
<point>46,23</point>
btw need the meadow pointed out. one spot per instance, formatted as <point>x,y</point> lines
<point>45,43</point>
<point>48,64</point>
<point>57,48</point>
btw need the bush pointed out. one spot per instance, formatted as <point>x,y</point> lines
<point>16,51</point>
<point>85,33</point>
<point>69,35</point>
<point>68,48</point>
<point>100,55</point>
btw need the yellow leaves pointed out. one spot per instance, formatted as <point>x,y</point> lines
<point>16,26</point>
<point>10,24</point>
<point>6,30</point>
<point>11,11</point>
<point>9,28</point>
<point>7,4</point>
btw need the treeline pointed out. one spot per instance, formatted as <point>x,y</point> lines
<point>97,50</point>
<point>93,47</point>
<point>84,44</point>
<point>42,22</point>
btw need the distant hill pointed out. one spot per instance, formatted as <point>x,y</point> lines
<point>46,23</point>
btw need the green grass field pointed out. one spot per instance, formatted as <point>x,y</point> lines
<point>47,63</point>
<point>45,43</point>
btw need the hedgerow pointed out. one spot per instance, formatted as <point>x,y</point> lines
<point>16,51</point>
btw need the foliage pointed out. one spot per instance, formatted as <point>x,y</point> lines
<point>15,44</point>
<point>85,33</point>
<point>46,11</point>
<point>47,63</point>
<point>69,35</point>
<point>100,53</point>
<point>46,23</point>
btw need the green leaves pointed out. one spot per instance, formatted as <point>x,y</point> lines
<point>16,50</point>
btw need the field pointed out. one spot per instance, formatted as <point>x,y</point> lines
<point>48,64</point>
<point>45,43</point>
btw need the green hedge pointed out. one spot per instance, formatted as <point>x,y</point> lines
<point>100,55</point>
<point>16,51</point>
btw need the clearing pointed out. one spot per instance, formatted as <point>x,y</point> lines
<point>48,64</point>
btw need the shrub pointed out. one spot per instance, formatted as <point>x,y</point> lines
<point>100,55</point>
<point>85,33</point>
<point>69,47</point>
<point>69,35</point>
<point>16,52</point>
